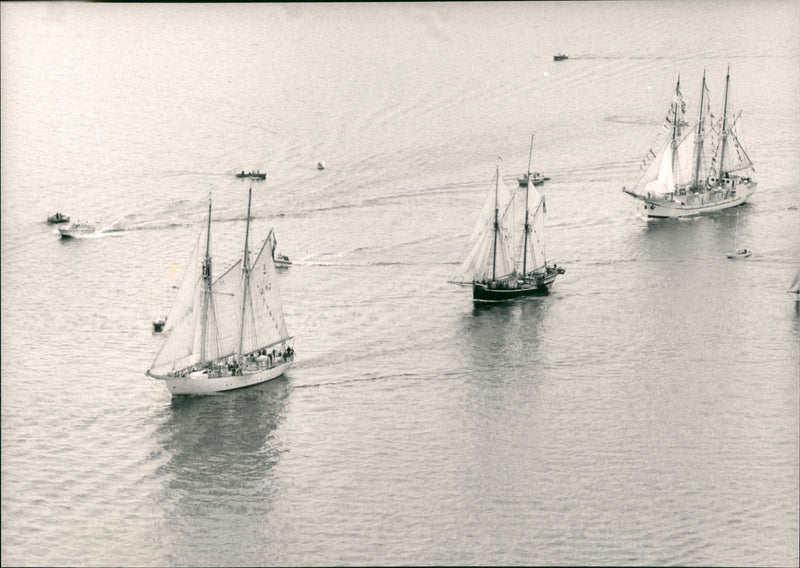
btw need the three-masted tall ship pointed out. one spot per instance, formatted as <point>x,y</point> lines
<point>507,255</point>
<point>698,169</point>
<point>228,332</point>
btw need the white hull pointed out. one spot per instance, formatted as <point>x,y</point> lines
<point>203,385</point>
<point>689,205</point>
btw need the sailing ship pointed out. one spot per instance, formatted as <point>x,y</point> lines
<point>228,332</point>
<point>493,267</point>
<point>696,170</point>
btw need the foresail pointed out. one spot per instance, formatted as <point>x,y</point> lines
<point>177,351</point>
<point>264,322</point>
<point>481,245</point>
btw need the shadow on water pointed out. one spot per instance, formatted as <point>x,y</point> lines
<point>493,334</point>
<point>219,484</point>
<point>699,236</point>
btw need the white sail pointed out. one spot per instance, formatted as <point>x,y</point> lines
<point>490,254</point>
<point>736,158</point>
<point>178,349</point>
<point>264,324</point>
<point>530,254</point>
<point>536,237</point>
<point>227,303</point>
<point>795,285</point>
<point>664,182</point>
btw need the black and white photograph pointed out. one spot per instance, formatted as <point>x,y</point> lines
<point>400,283</point>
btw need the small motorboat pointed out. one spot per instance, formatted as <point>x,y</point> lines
<point>253,175</point>
<point>57,218</point>
<point>740,253</point>
<point>537,179</point>
<point>158,324</point>
<point>560,57</point>
<point>281,261</point>
<point>75,230</point>
<point>320,165</point>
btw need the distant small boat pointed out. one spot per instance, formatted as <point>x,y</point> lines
<point>281,261</point>
<point>320,165</point>
<point>740,253</point>
<point>57,218</point>
<point>560,57</point>
<point>158,324</point>
<point>74,230</point>
<point>536,179</point>
<point>253,175</point>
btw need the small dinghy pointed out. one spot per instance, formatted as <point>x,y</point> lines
<point>740,253</point>
<point>57,218</point>
<point>159,323</point>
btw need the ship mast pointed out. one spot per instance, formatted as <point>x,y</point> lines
<point>724,126</point>
<point>675,112</point>
<point>527,226</point>
<point>207,296</point>
<point>698,143</point>
<point>245,273</point>
<point>496,224</point>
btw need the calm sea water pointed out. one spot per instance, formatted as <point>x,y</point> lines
<point>645,412</point>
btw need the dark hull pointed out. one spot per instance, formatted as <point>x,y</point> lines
<point>485,293</point>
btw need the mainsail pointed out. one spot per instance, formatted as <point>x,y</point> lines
<point>531,255</point>
<point>490,248</point>
<point>264,324</point>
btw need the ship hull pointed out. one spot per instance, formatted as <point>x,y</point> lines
<point>687,206</point>
<point>205,385</point>
<point>485,293</point>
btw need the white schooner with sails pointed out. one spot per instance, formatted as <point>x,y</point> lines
<point>228,332</point>
<point>698,169</point>
<point>507,251</point>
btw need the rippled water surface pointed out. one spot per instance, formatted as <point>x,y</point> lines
<point>645,412</point>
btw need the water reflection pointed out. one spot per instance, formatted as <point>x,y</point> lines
<point>220,484</point>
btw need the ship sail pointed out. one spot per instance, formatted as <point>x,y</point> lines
<point>191,333</point>
<point>264,324</point>
<point>490,248</point>
<point>532,253</point>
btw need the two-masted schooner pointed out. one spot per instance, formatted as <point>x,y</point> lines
<point>698,169</point>
<point>228,332</point>
<point>505,262</point>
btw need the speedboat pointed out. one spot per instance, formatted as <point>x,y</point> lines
<point>560,57</point>
<point>740,253</point>
<point>57,218</point>
<point>536,179</point>
<point>281,261</point>
<point>75,230</point>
